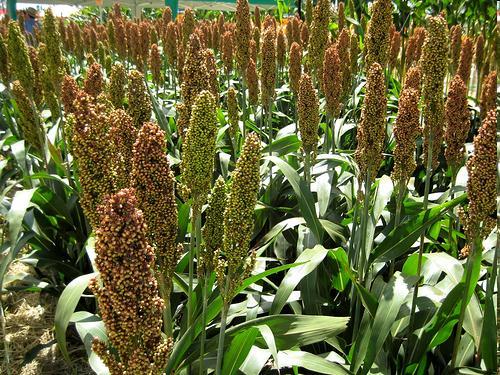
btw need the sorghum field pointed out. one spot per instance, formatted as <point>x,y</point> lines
<point>254,192</point>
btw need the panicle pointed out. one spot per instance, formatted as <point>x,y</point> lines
<point>481,184</point>
<point>139,102</point>
<point>111,34</point>
<point>341,16</point>
<point>117,82</point>
<point>479,52</point>
<point>457,118</point>
<point>166,16</point>
<point>239,217</point>
<point>243,33</point>
<point>319,35</point>
<point>19,60</point>
<point>37,70</point>
<point>90,145</point>
<point>170,47</point>
<point>309,12</point>
<point>295,67</point>
<point>153,182</point>
<point>281,48</point>
<point>127,291</point>
<point>488,93</point>
<point>394,50</point>
<point>121,39</point>
<point>29,121</point>
<point>371,129</point>
<point>332,80</point>
<point>253,83</point>
<point>69,92</point>
<point>213,230</point>
<point>304,35</point>
<point>188,25</point>
<point>256,17</point>
<point>308,114</point>
<point>455,45</point>
<point>198,149</point>
<point>53,59</point>
<point>4,62</point>
<point>406,131</point>
<point>227,51</point>
<point>213,81</point>
<point>122,135</point>
<point>465,62</point>
<point>345,63</point>
<point>434,67</point>
<point>413,79</point>
<point>155,64</point>
<point>94,81</point>
<point>268,68</point>
<point>378,33</point>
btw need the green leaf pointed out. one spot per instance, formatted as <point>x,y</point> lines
<point>238,351</point>
<point>311,362</point>
<point>18,208</point>
<point>283,146</point>
<point>66,307</point>
<point>401,238</point>
<point>304,196</point>
<point>341,271</point>
<point>268,337</point>
<point>309,260</point>
<point>393,297</point>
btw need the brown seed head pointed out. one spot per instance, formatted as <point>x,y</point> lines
<point>139,102</point>
<point>378,34</point>
<point>253,83</point>
<point>242,33</point>
<point>94,81</point>
<point>308,115</point>
<point>295,68</point>
<point>268,68</point>
<point>465,62</point>
<point>489,93</point>
<point>281,48</point>
<point>332,80</point>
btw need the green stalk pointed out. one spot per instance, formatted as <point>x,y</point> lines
<point>397,218</point>
<point>422,236</point>
<point>204,283</point>
<point>222,333</point>
<point>452,219</point>
<point>191,268</point>
<point>307,167</point>
<point>475,246</point>
<point>167,312</point>
<point>244,108</point>
<point>2,318</point>
<point>270,137</point>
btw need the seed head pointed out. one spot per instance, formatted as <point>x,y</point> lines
<point>29,121</point>
<point>170,44</point>
<point>345,63</point>
<point>413,79</point>
<point>332,80</point>
<point>378,33</point>
<point>127,294</point>
<point>155,64</point>
<point>213,230</point>
<point>308,111</point>
<point>90,145</point>
<point>457,118</point>
<point>166,16</point>
<point>295,68</point>
<point>280,48</point>
<point>242,33</point>
<point>489,93</point>
<point>253,83</point>
<point>213,81</point>
<point>304,35</point>
<point>371,130</point>
<point>394,50</point>
<point>481,185</point>
<point>341,15</point>
<point>121,39</point>
<point>69,92</point>
<point>94,81</point>
<point>319,35</point>
<point>465,62</point>
<point>154,185</point>
<point>268,68</point>
<point>53,59</point>
<point>117,82</point>
<point>227,51</point>
<point>37,70</point>
<point>406,131</point>
<point>122,136</point>
<point>139,102</point>
<point>188,25</point>
<point>239,215</point>
<point>309,11</point>
<point>434,66</point>
<point>455,45</point>
<point>19,59</point>
<point>198,150</point>
<point>256,17</point>
<point>4,62</point>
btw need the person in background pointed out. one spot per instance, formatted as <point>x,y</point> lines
<point>30,20</point>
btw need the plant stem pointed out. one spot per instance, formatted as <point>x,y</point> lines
<point>307,167</point>
<point>475,246</point>
<point>452,219</point>
<point>333,135</point>
<point>204,285</point>
<point>270,139</point>
<point>397,218</point>
<point>244,108</point>
<point>220,347</point>
<point>422,236</point>
<point>364,226</point>
<point>167,313</point>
